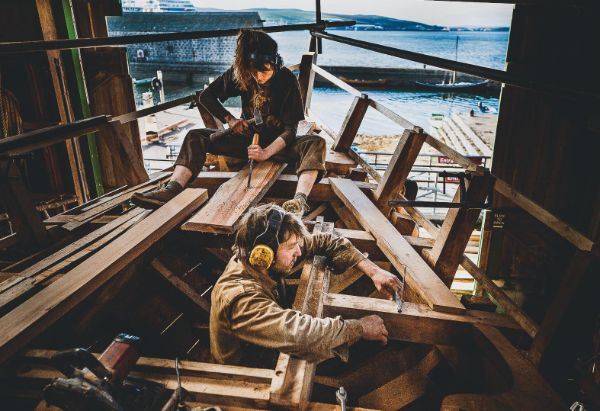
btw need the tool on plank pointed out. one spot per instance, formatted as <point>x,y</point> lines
<point>256,120</point>
<point>341,396</point>
<point>254,142</point>
<point>102,383</point>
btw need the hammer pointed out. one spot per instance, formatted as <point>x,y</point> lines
<point>254,142</point>
<point>257,120</point>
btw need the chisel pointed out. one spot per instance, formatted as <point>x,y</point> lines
<point>254,142</point>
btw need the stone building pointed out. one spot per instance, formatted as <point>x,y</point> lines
<point>183,59</point>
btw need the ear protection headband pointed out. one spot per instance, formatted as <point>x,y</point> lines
<point>266,244</point>
<point>260,59</point>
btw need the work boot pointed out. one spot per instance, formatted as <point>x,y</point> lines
<point>157,197</point>
<point>298,205</point>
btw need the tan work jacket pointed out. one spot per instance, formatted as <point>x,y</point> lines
<point>245,311</point>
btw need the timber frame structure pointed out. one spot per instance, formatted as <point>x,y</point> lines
<point>38,292</point>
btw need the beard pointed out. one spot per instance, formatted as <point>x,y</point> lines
<point>284,271</point>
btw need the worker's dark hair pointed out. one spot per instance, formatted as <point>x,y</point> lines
<point>254,223</point>
<point>253,52</point>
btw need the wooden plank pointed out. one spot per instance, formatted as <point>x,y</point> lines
<point>336,81</point>
<point>551,221</point>
<point>453,237</point>
<point>570,283</point>
<point>26,284</point>
<point>181,285</point>
<point>345,215</point>
<point>453,155</point>
<point>105,206</point>
<point>223,391</point>
<point>70,249</point>
<point>283,187</point>
<point>417,323</point>
<point>306,78</point>
<point>418,275</point>
<point>28,320</point>
<point>396,118</point>
<point>209,370</point>
<point>316,212</point>
<point>485,150</point>
<point>292,385</point>
<point>8,241</point>
<point>451,127</point>
<point>351,124</point>
<point>233,198</point>
<point>397,171</point>
<point>527,390</point>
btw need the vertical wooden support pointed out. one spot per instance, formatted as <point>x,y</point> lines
<point>450,244</point>
<point>292,385</point>
<point>48,27</point>
<point>351,124</point>
<point>306,78</point>
<point>399,167</point>
<point>25,219</point>
<point>570,283</point>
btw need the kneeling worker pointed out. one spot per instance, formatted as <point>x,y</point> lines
<point>247,320</point>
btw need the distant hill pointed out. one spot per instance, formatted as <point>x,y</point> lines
<point>363,21</point>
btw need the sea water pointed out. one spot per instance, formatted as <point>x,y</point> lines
<point>486,49</point>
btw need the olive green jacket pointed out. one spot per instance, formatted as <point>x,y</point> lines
<point>245,311</point>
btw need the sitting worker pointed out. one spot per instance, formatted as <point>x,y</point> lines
<point>247,320</point>
<point>257,75</point>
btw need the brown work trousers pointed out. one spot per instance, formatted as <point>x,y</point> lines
<point>305,152</point>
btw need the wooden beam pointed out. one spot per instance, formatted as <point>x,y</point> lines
<point>336,81</point>
<point>292,385</point>
<point>545,217</point>
<point>306,78</point>
<point>28,320</point>
<point>417,323</point>
<point>418,275</point>
<point>527,390</point>
<point>70,249</point>
<point>91,213</point>
<point>453,237</point>
<point>345,215</point>
<point>351,124</point>
<point>405,388</point>
<point>570,283</point>
<point>30,282</point>
<point>397,171</point>
<point>283,187</point>
<point>181,285</point>
<point>234,198</point>
<point>508,305</point>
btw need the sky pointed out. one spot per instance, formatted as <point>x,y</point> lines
<point>441,13</point>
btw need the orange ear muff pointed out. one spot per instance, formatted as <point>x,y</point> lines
<point>261,257</point>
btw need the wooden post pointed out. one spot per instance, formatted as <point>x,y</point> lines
<point>399,167</point>
<point>48,28</point>
<point>351,124</point>
<point>291,387</point>
<point>25,219</point>
<point>458,225</point>
<point>306,78</point>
